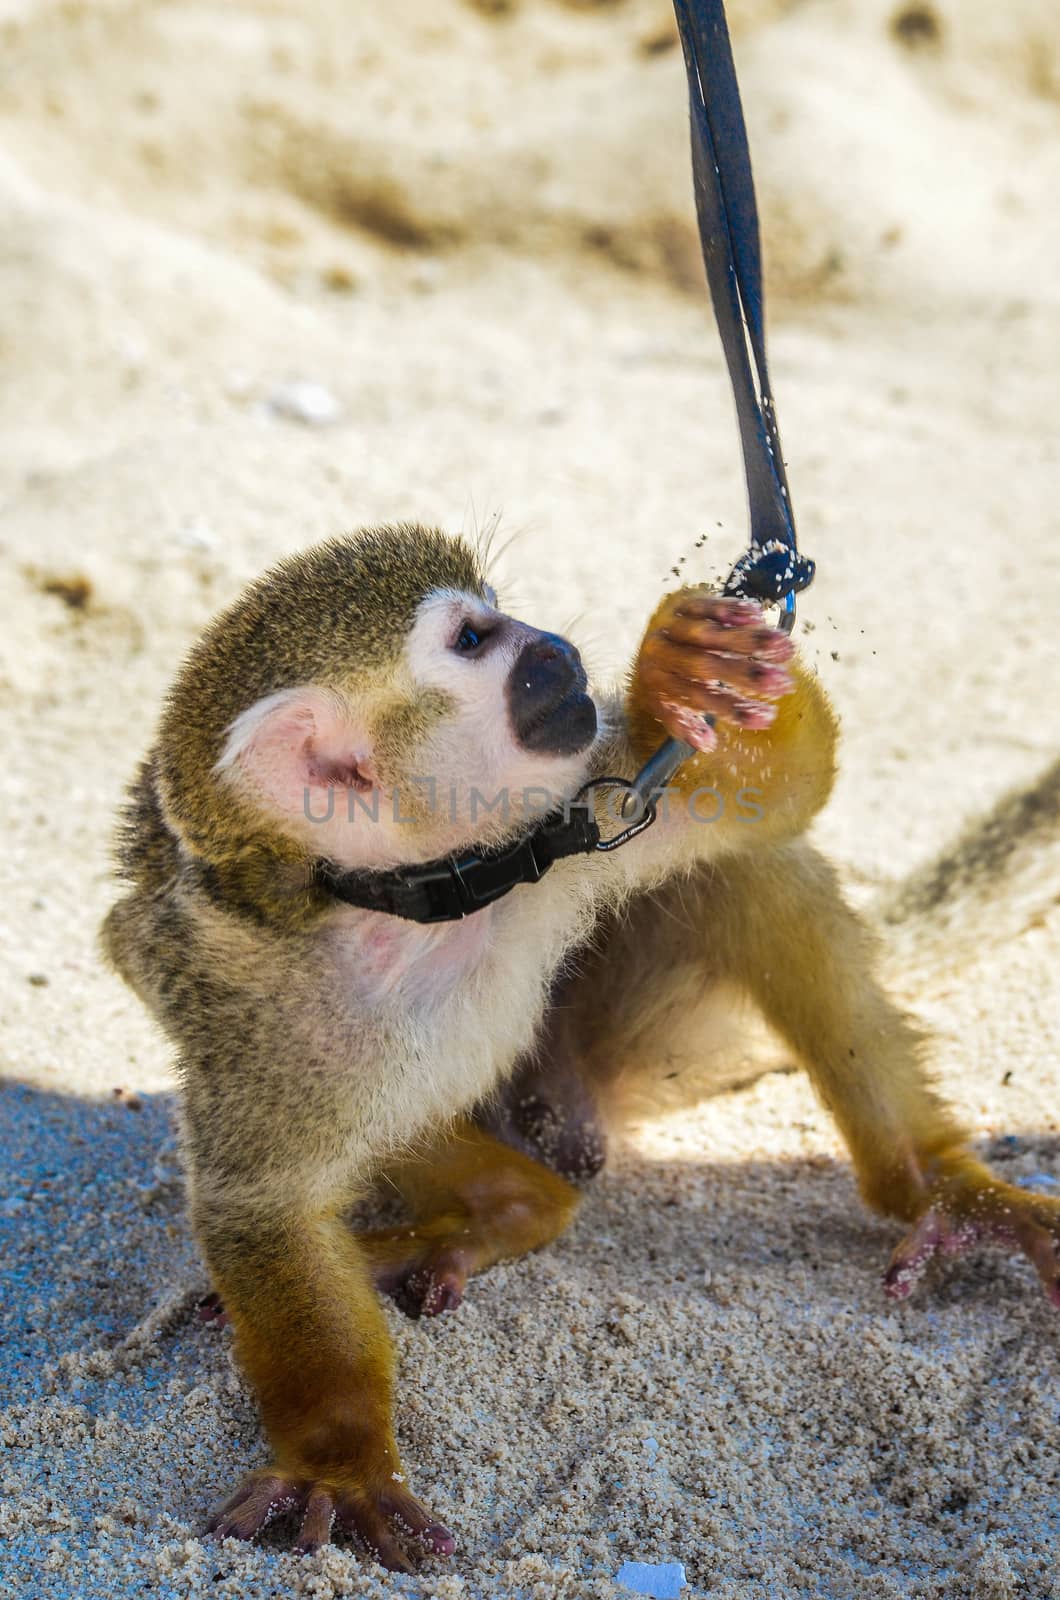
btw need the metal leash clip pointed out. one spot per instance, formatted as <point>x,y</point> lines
<point>645,801</point>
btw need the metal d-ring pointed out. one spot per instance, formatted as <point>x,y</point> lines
<point>647,805</point>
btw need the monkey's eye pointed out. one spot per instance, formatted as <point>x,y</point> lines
<point>470,638</point>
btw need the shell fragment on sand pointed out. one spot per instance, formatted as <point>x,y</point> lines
<point>660,1580</point>
<point>305,402</point>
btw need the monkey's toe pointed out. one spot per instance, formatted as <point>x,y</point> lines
<point>428,1287</point>
<point>432,1290</point>
<point>324,1506</point>
<point>912,1256</point>
<point>211,1309</point>
<point>260,1497</point>
<point>413,1517</point>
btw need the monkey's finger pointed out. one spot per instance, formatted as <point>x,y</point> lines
<point>253,1505</point>
<point>370,1527</point>
<point>681,723</point>
<point>955,1241</point>
<point>1039,1247</point>
<point>434,1289</point>
<point>412,1515</point>
<point>761,678</point>
<point>722,702</point>
<point>910,1259</point>
<point>769,643</point>
<point>317,1522</point>
<point>726,610</point>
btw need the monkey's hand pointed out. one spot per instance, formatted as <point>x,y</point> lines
<point>311,1338</point>
<point>328,1503</point>
<point>705,654</point>
<point>771,737</point>
<point>968,1205</point>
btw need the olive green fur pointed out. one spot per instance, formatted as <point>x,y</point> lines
<point>336,616</point>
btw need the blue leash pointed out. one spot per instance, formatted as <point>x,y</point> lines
<point>771,570</point>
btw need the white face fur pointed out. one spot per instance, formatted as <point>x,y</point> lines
<point>308,756</point>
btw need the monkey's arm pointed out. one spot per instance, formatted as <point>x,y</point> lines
<point>781,929</point>
<point>310,1336</point>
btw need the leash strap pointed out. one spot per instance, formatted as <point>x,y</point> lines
<point>772,568</point>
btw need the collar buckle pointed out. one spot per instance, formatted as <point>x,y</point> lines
<point>456,887</point>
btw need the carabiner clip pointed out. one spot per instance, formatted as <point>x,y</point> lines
<point>633,794</point>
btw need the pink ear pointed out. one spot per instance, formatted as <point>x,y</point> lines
<point>297,741</point>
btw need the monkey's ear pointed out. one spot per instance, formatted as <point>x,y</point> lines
<point>294,742</point>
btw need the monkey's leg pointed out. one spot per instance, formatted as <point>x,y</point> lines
<point>779,926</point>
<point>311,1338</point>
<point>474,1202</point>
<point>772,921</point>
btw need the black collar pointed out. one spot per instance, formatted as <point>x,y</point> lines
<point>449,888</point>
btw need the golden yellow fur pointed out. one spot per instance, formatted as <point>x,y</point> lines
<point>320,1046</point>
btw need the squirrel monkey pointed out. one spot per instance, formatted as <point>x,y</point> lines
<point>367,704</point>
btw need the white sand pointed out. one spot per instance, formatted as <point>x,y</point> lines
<point>472,225</point>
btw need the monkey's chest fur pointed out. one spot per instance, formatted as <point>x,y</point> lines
<point>452,1006</point>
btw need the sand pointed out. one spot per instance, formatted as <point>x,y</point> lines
<point>470,226</point>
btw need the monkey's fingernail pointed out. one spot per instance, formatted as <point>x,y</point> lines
<point>770,642</point>
<point>228,1528</point>
<point>689,725</point>
<point>771,680</point>
<point>701,737</point>
<point>898,1281</point>
<point>737,613</point>
<point>442,1295</point>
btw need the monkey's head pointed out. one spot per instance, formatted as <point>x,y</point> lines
<point>367,701</point>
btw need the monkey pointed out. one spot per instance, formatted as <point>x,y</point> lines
<point>365,707</point>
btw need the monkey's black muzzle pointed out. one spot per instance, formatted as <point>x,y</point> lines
<point>550,710</point>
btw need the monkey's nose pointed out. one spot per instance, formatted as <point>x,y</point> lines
<point>550,647</point>
<point>549,708</point>
<point>545,670</point>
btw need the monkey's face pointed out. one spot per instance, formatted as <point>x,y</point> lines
<point>476,724</point>
<point>513,719</point>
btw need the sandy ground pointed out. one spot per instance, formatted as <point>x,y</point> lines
<point>471,224</point>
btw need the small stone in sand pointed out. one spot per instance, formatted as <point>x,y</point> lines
<point>306,402</point>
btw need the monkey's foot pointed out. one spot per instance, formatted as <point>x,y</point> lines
<point>325,1506</point>
<point>424,1269</point>
<point>547,1112</point>
<point>968,1211</point>
<point>474,1201</point>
